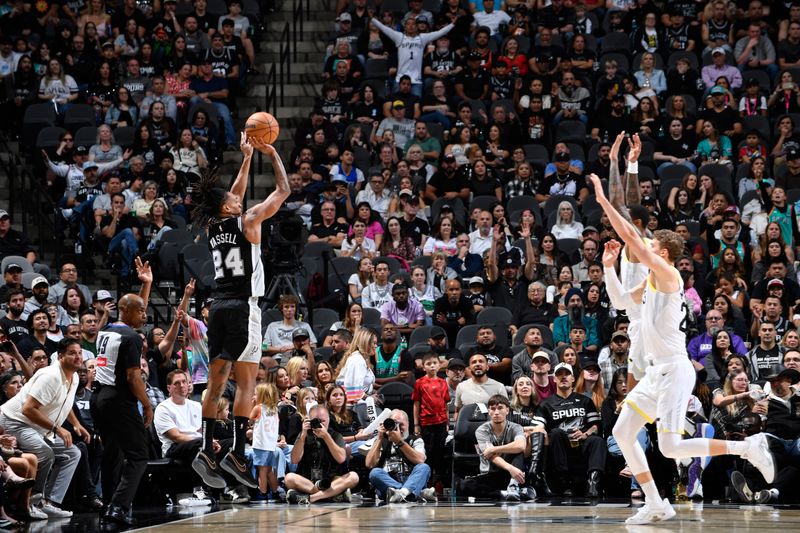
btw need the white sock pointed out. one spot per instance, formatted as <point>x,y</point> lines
<point>737,447</point>
<point>651,494</point>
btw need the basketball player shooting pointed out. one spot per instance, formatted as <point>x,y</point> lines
<point>234,320</point>
<point>662,396</point>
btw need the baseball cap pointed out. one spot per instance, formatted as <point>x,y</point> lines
<point>339,178</point>
<point>563,366</point>
<point>588,361</point>
<point>751,82</point>
<point>456,363</point>
<point>509,262</point>
<point>503,62</point>
<point>648,200</point>
<point>436,332</point>
<point>4,214</point>
<point>793,154</point>
<point>589,229</point>
<point>474,56</point>
<point>89,165</point>
<point>81,150</point>
<point>718,50</point>
<point>423,19</point>
<point>475,280</point>
<point>299,333</point>
<point>38,280</point>
<point>102,295</point>
<point>562,156</point>
<point>731,209</point>
<point>618,334</point>
<point>345,17</point>
<point>398,104</point>
<point>717,89</point>
<point>780,371</point>
<point>541,354</point>
<point>13,266</point>
<point>775,282</point>
<point>450,158</point>
<point>445,207</point>
<point>107,44</point>
<point>578,325</point>
<point>208,302</point>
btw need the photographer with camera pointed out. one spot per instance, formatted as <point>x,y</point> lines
<point>397,462</point>
<point>320,455</point>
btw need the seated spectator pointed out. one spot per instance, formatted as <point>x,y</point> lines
<point>439,272</point>
<point>35,417</point>
<point>392,361</point>
<point>214,90</point>
<point>328,229</point>
<point>122,232</point>
<point>714,147</point>
<point>590,382</point>
<point>617,358</point>
<point>397,244</point>
<point>502,445</point>
<point>359,280</point>
<point>105,151</point>
<point>397,123</point>
<point>479,387</point>
<point>405,313</point>
<point>562,325</point>
<point>318,476</point>
<point>396,460</point>
<point>453,311</point>
<point>12,276</point>
<point>566,227</point>
<point>522,363</point>
<point>571,417</point>
<point>14,242</point>
<point>756,52</point>
<point>674,148</point>
<point>498,358</point>
<point>699,347</point>
<point>358,245</point>
<point>189,157</point>
<point>279,334</point>
<point>377,293</point>
<point>38,325</point>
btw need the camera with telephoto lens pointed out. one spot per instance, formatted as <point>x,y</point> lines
<point>316,423</point>
<point>389,424</point>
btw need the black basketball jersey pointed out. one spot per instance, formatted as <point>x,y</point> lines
<point>237,262</point>
<point>119,348</point>
<point>718,31</point>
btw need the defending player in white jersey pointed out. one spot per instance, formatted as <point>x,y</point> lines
<point>663,394</point>
<point>626,198</point>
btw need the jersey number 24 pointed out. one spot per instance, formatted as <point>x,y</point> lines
<point>233,263</point>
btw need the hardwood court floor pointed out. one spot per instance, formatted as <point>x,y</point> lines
<point>483,517</point>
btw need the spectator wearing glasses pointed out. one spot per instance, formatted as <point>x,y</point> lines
<point>700,346</point>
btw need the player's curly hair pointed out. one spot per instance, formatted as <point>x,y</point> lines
<point>671,241</point>
<point>207,198</point>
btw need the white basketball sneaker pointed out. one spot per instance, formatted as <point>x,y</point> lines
<point>760,456</point>
<point>652,512</point>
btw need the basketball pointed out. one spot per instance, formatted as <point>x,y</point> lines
<point>262,126</point>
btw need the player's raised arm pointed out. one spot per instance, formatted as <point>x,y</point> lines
<point>616,293</point>
<point>239,187</point>
<point>633,194</point>
<point>628,233</point>
<point>261,212</point>
<point>616,191</point>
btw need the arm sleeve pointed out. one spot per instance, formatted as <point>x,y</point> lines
<point>59,169</point>
<point>619,298</point>
<point>354,373</point>
<point>395,36</point>
<point>432,36</point>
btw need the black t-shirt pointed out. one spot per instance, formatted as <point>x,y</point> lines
<point>474,83</point>
<point>763,360</point>
<point>29,343</point>
<point>14,329</point>
<point>126,221</point>
<point>415,229</point>
<point>495,354</point>
<point>724,120</point>
<point>676,148</point>
<point>321,231</point>
<point>507,296</point>
<point>791,289</point>
<point>440,63</point>
<point>317,462</point>
<point>443,184</point>
<point>569,184</point>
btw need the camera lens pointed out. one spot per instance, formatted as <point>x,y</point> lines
<point>316,423</point>
<point>389,424</point>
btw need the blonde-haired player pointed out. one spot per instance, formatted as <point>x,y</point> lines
<point>663,393</point>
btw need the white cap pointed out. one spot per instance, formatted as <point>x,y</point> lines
<point>563,366</point>
<point>475,279</point>
<point>37,280</point>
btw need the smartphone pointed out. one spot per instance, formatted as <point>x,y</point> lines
<point>788,86</point>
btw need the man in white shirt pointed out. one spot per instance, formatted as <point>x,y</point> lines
<point>178,420</point>
<point>35,417</point>
<point>376,195</point>
<point>490,18</point>
<point>278,336</point>
<point>379,291</point>
<point>480,240</point>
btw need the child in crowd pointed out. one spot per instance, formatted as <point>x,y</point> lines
<point>264,417</point>
<point>477,294</point>
<point>431,396</point>
<point>753,147</point>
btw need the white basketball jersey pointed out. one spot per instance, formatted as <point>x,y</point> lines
<point>631,276</point>
<point>663,325</point>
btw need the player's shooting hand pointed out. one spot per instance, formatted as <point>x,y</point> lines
<point>614,154</point>
<point>611,253</point>
<point>246,146</point>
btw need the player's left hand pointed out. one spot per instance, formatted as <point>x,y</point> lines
<point>611,253</point>
<point>635,148</point>
<point>614,154</point>
<point>246,146</point>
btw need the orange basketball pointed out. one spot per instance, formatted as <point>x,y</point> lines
<point>262,126</point>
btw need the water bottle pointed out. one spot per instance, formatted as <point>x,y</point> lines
<point>403,342</point>
<point>605,136</point>
<point>78,248</point>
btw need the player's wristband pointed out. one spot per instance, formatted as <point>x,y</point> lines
<point>633,167</point>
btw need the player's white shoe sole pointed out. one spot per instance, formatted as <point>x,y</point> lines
<point>650,514</point>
